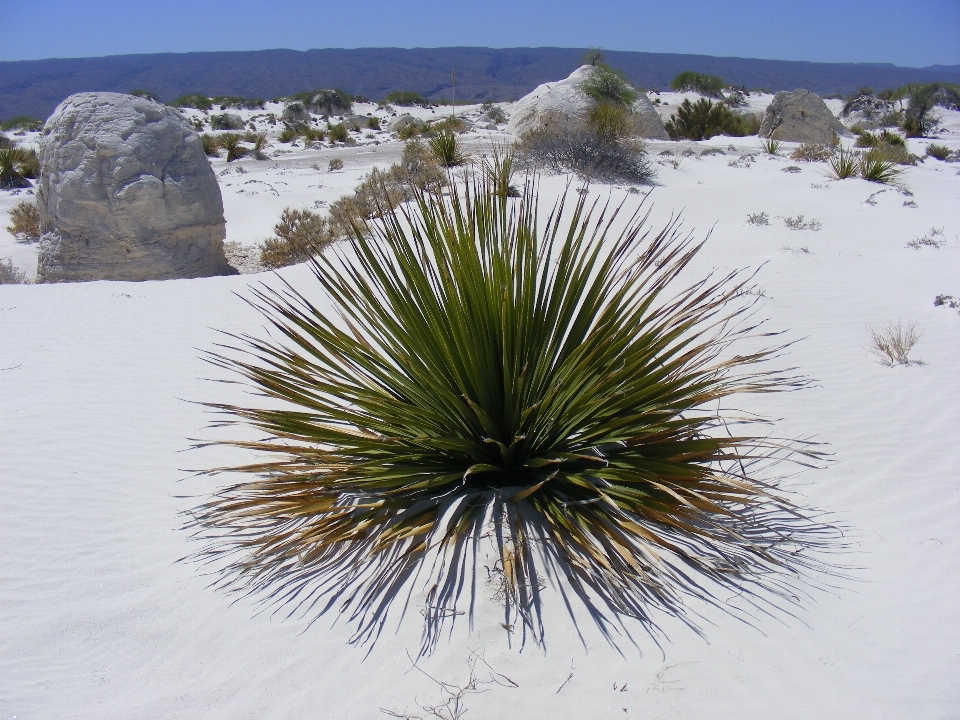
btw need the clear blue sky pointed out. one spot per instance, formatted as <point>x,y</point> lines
<point>904,32</point>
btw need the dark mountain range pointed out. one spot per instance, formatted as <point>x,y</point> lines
<point>35,87</point>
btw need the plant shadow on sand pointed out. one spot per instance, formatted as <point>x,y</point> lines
<point>542,398</point>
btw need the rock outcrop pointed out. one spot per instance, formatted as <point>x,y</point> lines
<point>126,193</point>
<point>564,105</point>
<point>800,116</point>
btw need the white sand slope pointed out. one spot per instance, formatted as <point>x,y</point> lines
<point>98,385</point>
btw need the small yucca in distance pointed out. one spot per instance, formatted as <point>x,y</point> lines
<point>541,392</point>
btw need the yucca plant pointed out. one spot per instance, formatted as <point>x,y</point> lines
<point>259,141</point>
<point>486,384</point>
<point>499,169</point>
<point>446,148</point>
<point>770,146</point>
<point>875,168</point>
<point>17,166</point>
<point>288,134</point>
<point>843,165</point>
<point>231,143</point>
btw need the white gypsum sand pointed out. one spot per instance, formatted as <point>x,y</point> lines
<point>98,389</point>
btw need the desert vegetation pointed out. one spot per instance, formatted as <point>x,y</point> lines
<point>446,411</point>
<point>940,152</point>
<point>813,152</point>
<point>405,98</point>
<point>704,119</point>
<point>193,100</point>
<point>331,102</point>
<point>22,123</point>
<point>10,274</point>
<point>892,343</point>
<point>587,154</point>
<point>707,85</point>
<point>445,147</point>
<point>297,235</point>
<point>25,221</point>
<point>17,167</point>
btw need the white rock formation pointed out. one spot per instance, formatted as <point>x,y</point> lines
<point>800,116</point>
<point>126,193</point>
<point>564,105</point>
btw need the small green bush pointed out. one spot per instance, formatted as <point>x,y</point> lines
<point>231,143</point>
<point>606,86</point>
<point>332,102</point>
<point>297,236</point>
<point>704,119</point>
<point>496,115</point>
<point>338,133</point>
<point>405,98</point>
<point>373,123</point>
<point>225,122</point>
<point>193,100</point>
<point>22,122</point>
<point>770,146</point>
<point>709,85</point>
<point>25,221</point>
<point>940,152</point>
<point>312,134</point>
<point>288,134</point>
<point>147,94</point>
<point>259,141</point>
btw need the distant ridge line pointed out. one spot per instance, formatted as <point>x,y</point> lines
<point>36,87</point>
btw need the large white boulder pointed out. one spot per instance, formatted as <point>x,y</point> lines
<point>126,193</point>
<point>564,105</point>
<point>800,116</point>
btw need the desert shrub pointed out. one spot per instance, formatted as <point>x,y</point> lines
<point>813,152</point>
<point>195,101</point>
<point>410,131</point>
<point>238,102</point>
<point>934,239</point>
<point>897,154</point>
<point>800,222</point>
<point>139,92</point>
<point>338,133</point>
<point>231,143</point>
<point>446,148</point>
<point>298,234</point>
<point>211,145</point>
<point>586,154</point>
<point>379,191</point>
<point>332,102</point>
<point>25,221</point>
<point>496,115</point>
<point>312,134</point>
<point>259,141</point>
<point>606,86</point>
<point>289,133</point>
<point>22,122</point>
<point>893,342</point>
<point>875,168</point>
<point>5,142</point>
<point>544,393</point>
<point>334,164</point>
<point>17,167</point>
<point>704,119</point>
<point>419,167</point>
<point>770,146</point>
<point>760,218</point>
<point>405,98</point>
<point>373,123</point>
<point>843,165</point>
<point>709,85</point>
<point>610,121</point>
<point>225,122</point>
<point>10,274</point>
<point>940,152</point>
<point>919,119</point>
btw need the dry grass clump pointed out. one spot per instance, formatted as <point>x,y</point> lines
<point>813,152</point>
<point>484,381</point>
<point>231,142</point>
<point>586,154</point>
<point>893,342</point>
<point>211,145</point>
<point>940,152</point>
<point>760,218</point>
<point>801,223</point>
<point>934,239</point>
<point>335,164</point>
<point>298,235</point>
<point>25,221</point>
